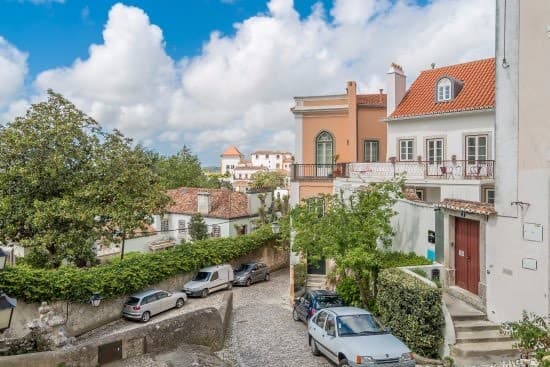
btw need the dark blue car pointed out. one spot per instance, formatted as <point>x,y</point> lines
<point>312,301</point>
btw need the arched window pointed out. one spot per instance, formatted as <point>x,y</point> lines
<point>324,148</point>
<point>444,90</point>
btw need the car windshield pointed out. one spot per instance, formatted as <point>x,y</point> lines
<point>329,301</point>
<point>202,276</point>
<point>245,267</point>
<point>132,301</point>
<point>363,324</point>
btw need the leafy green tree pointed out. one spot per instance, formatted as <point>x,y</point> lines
<point>183,169</point>
<point>349,231</point>
<point>66,183</point>
<point>268,180</point>
<point>198,230</point>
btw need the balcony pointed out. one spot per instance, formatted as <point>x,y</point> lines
<point>442,170</point>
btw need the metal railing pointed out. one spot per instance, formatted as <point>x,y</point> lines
<point>446,170</point>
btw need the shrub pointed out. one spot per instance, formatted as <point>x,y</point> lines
<point>532,334</point>
<point>412,309</point>
<point>132,274</point>
<point>348,290</point>
<point>398,259</point>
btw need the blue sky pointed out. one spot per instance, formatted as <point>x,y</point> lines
<point>213,73</point>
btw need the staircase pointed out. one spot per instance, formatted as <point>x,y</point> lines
<point>477,339</point>
<point>316,281</point>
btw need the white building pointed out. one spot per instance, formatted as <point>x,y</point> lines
<point>271,159</point>
<point>230,159</point>
<point>225,212</point>
<point>517,253</point>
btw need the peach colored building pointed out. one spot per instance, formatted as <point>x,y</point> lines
<point>332,130</point>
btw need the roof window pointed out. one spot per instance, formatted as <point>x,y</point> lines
<point>447,89</point>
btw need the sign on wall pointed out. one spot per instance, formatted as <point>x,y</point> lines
<point>532,232</point>
<point>528,263</point>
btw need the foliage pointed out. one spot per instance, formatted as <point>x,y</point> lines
<point>349,230</point>
<point>412,309</point>
<point>532,334</point>
<point>348,290</point>
<point>300,275</point>
<point>60,173</point>
<point>198,230</point>
<point>183,170</point>
<point>269,180</point>
<point>420,272</point>
<point>134,273</point>
<point>394,259</point>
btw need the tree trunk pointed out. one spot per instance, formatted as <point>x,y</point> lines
<point>363,291</point>
<point>122,246</point>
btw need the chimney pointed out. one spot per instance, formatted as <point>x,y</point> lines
<point>204,205</point>
<point>397,82</point>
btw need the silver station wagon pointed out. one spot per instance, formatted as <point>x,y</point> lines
<point>141,306</point>
<point>350,336</point>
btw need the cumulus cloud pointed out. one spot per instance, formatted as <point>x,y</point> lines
<point>239,88</point>
<point>13,69</point>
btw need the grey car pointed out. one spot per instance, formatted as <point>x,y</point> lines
<point>350,336</point>
<point>141,306</point>
<point>252,272</point>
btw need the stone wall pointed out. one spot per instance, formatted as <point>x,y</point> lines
<point>85,317</point>
<point>201,327</point>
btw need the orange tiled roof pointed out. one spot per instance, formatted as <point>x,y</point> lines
<point>475,207</point>
<point>372,100</point>
<point>478,92</point>
<point>232,150</point>
<point>224,203</point>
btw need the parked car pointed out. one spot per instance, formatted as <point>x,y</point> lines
<point>141,306</point>
<point>350,336</point>
<point>209,280</point>
<point>249,273</point>
<point>312,301</point>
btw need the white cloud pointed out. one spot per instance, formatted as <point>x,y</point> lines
<point>238,90</point>
<point>13,69</point>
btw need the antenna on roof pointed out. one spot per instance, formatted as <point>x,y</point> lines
<point>433,65</point>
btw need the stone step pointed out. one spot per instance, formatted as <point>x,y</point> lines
<point>478,336</point>
<point>468,317</point>
<point>475,325</point>
<point>500,349</point>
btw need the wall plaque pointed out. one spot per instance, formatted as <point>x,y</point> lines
<point>528,263</point>
<point>532,232</point>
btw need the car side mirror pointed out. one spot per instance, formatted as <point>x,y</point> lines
<point>331,332</point>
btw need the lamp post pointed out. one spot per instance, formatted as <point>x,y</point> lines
<point>7,305</point>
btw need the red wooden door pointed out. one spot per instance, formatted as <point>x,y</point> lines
<point>467,254</point>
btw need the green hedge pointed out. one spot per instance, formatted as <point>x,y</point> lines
<point>412,309</point>
<point>135,272</point>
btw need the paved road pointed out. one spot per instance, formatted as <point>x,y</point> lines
<point>263,332</point>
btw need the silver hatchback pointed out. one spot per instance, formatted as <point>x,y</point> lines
<point>141,306</point>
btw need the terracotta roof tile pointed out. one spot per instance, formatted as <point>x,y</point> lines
<point>372,100</point>
<point>475,207</point>
<point>224,203</point>
<point>477,93</point>
<point>232,150</point>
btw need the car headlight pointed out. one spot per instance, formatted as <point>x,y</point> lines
<point>364,359</point>
<point>407,356</point>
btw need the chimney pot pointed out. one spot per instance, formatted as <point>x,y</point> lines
<point>397,81</point>
<point>433,65</point>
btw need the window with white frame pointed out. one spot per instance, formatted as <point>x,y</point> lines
<point>216,231</point>
<point>490,195</point>
<point>406,149</point>
<point>419,194</point>
<point>444,90</point>
<point>182,227</point>
<point>371,151</point>
<point>434,150</point>
<point>324,148</point>
<point>476,148</point>
<point>164,225</point>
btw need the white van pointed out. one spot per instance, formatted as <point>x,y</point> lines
<point>208,280</point>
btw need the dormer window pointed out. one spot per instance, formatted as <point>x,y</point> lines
<point>444,90</point>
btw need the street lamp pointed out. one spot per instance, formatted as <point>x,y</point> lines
<point>3,259</point>
<point>275,227</point>
<point>7,305</point>
<point>95,299</point>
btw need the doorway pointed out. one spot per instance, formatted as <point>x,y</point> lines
<point>467,254</point>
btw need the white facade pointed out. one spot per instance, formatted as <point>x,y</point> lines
<point>518,244</point>
<point>228,164</point>
<point>271,160</point>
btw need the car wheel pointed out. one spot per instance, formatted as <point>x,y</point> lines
<point>204,293</point>
<point>343,363</point>
<point>295,315</point>
<point>230,285</point>
<point>145,316</point>
<point>313,345</point>
<point>180,302</point>
<point>248,282</point>
<point>266,277</point>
